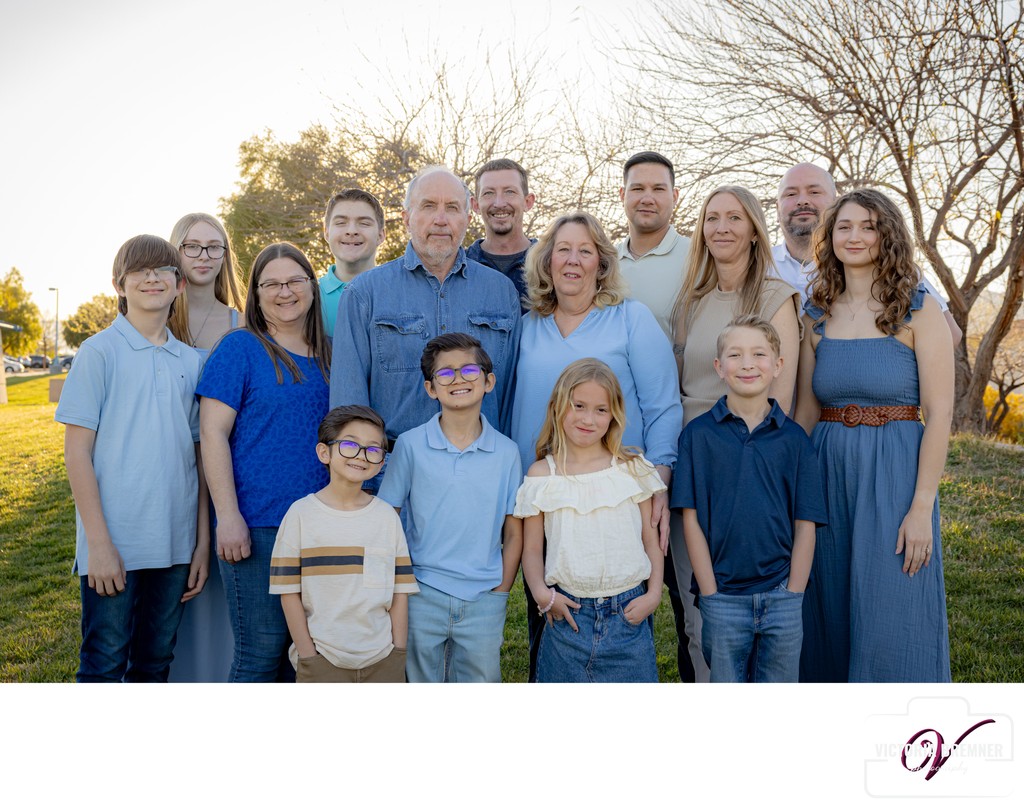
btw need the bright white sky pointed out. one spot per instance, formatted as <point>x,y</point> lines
<point>120,116</point>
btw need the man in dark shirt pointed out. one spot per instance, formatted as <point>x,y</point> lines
<point>501,198</point>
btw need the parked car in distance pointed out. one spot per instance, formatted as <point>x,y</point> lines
<point>37,361</point>
<point>65,361</point>
<point>12,365</point>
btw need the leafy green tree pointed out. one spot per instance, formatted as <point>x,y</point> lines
<point>16,307</point>
<point>90,318</point>
<point>283,192</point>
<point>434,119</point>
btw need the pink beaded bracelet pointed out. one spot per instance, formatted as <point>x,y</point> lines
<point>551,603</point>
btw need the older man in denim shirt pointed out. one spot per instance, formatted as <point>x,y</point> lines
<point>388,314</point>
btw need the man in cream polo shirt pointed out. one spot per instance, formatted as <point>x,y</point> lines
<point>652,259</point>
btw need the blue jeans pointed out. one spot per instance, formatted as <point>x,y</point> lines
<point>129,637</point>
<point>753,637</point>
<point>257,621</point>
<point>607,647</point>
<point>455,640</point>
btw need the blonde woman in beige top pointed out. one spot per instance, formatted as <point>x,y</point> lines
<point>726,276</point>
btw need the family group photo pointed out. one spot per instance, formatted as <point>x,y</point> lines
<point>678,345</point>
<point>285,396</point>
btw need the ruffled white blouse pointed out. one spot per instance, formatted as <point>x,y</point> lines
<point>592,525</point>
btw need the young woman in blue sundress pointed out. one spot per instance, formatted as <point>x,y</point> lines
<point>876,359</point>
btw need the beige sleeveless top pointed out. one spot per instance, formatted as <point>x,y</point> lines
<point>699,383</point>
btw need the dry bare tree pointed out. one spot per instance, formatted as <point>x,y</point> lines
<point>507,106</point>
<point>920,98</point>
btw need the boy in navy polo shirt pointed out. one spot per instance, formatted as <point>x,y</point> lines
<point>748,483</point>
<point>458,477</point>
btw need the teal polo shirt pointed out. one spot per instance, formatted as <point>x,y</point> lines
<point>330,295</point>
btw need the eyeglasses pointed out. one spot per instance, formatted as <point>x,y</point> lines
<point>160,273</point>
<point>213,251</point>
<point>351,449</point>
<point>446,376</point>
<point>274,287</point>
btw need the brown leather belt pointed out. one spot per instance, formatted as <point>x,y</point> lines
<point>856,415</point>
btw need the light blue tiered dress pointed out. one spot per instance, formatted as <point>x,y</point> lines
<point>865,620</point>
<point>205,645</point>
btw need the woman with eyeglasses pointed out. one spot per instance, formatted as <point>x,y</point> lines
<point>263,394</point>
<point>213,296</point>
<point>209,307</point>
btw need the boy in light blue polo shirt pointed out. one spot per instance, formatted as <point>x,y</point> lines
<point>131,451</point>
<point>457,476</point>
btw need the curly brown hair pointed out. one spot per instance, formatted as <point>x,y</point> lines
<point>896,276</point>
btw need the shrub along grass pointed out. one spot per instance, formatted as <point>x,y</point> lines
<point>982,496</point>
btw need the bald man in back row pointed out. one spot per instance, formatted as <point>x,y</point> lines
<point>804,192</point>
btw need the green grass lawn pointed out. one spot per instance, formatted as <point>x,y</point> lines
<point>982,495</point>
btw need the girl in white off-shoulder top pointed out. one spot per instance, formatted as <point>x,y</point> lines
<point>602,577</point>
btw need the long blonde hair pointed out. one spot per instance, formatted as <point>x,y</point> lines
<point>227,288</point>
<point>702,273</point>
<point>552,440</point>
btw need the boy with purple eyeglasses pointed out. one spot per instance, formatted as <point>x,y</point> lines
<point>341,565</point>
<point>457,477</point>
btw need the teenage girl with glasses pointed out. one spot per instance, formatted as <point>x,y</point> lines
<point>213,296</point>
<point>207,309</point>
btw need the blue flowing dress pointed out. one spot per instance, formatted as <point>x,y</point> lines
<point>865,620</point>
<point>205,645</point>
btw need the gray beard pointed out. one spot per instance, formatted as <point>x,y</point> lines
<point>800,231</point>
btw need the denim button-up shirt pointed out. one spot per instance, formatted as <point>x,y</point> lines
<point>388,314</point>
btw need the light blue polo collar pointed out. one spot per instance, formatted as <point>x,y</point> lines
<point>436,438</point>
<point>137,342</point>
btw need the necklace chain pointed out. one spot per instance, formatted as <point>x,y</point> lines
<point>855,311</point>
<point>195,339</point>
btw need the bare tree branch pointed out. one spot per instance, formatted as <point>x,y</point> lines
<point>920,98</point>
